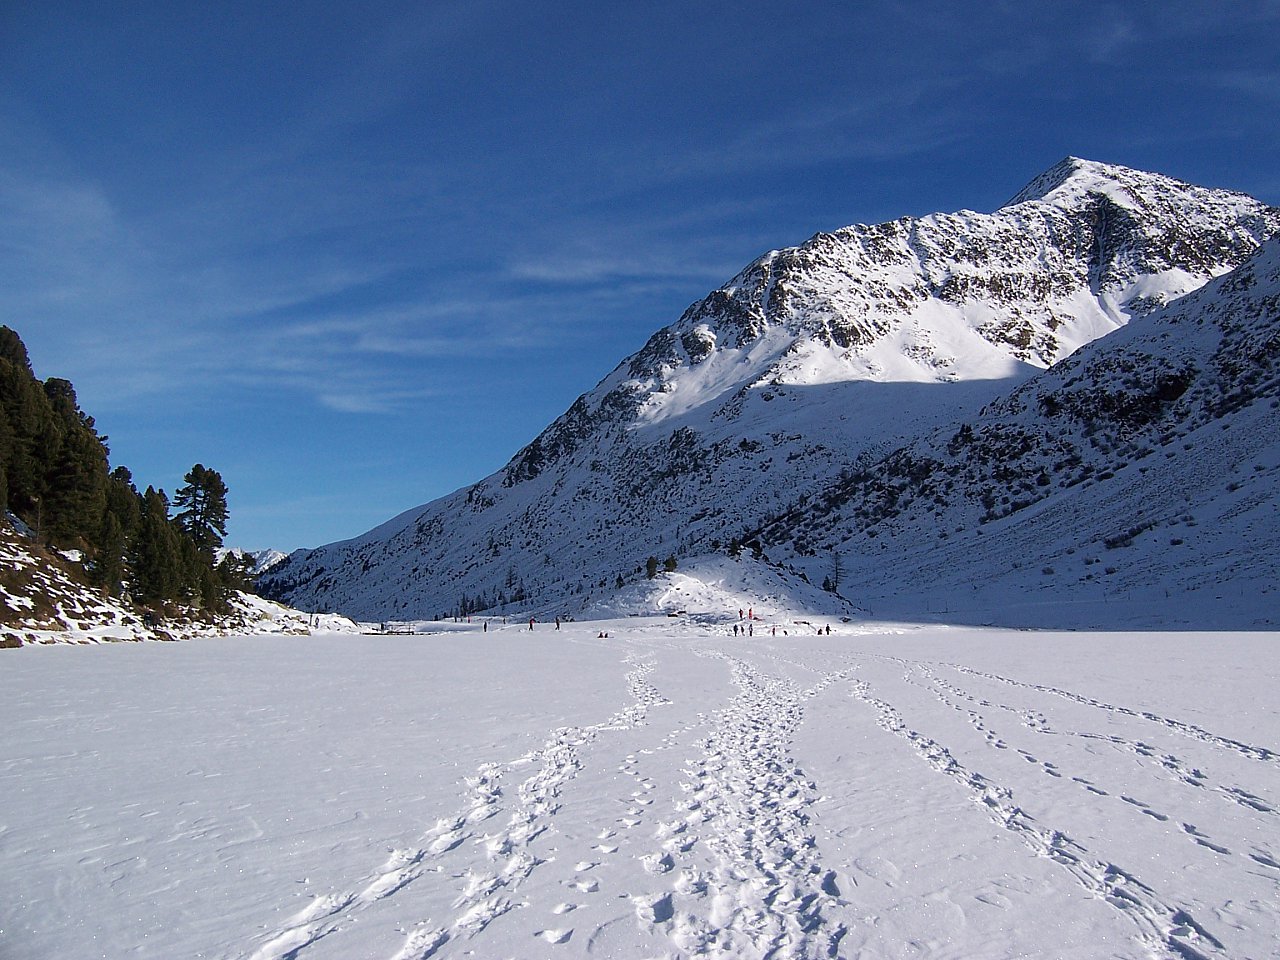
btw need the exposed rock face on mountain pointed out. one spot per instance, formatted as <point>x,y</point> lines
<point>1149,457</point>
<point>813,363</point>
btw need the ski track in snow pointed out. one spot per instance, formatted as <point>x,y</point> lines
<point>733,865</point>
<point>1179,770</point>
<point>737,871</point>
<point>486,895</point>
<point>747,804</point>
<point>1164,930</point>
<point>1189,730</point>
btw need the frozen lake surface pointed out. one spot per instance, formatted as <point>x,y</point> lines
<point>670,791</point>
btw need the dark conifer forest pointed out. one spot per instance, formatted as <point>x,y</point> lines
<point>56,479</point>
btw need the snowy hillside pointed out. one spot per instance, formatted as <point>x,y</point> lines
<point>1147,461</point>
<point>811,363</point>
<point>46,598</point>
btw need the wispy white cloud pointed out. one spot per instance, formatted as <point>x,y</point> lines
<point>689,246</point>
<point>1257,82</point>
<point>1111,36</point>
<point>68,235</point>
<point>133,318</point>
<point>909,119</point>
<point>368,399</point>
<point>387,74</point>
<point>569,267</point>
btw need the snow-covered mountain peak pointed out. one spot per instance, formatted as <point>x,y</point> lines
<point>1071,176</point>
<point>1151,231</point>
<point>955,296</point>
<point>812,361</point>
<point>1073,179</point>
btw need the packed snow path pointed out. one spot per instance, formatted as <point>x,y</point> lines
<point>668,791</point>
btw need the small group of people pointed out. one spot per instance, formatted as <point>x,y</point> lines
<point>746,625</point>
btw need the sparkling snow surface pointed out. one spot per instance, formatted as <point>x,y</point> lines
<point>670,791</point>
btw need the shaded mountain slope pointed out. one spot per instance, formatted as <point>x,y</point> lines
<point>1147,462</point>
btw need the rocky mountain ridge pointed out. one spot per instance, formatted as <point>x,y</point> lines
<point>811,364</point>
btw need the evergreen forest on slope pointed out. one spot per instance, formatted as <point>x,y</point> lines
<point>58,487</point>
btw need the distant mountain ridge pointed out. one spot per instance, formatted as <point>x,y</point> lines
<point>257,561</point>
<point>811,364</point>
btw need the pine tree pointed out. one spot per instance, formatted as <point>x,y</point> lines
<point>154,558</point>
<point>14,350</point>
<point>198,583</point>
<point>202,508</point>
<point>6,455</point>
<point>235,572</point>
<point>76,488</point>
<point>837,572</point>
<point>107,570</point>
<point>124,502</point>
<point>31,428</point>
<point>63,402</point>
<point>76,471</point>
<point>54,476</point>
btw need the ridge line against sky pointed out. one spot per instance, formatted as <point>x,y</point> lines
<point>354,259</point>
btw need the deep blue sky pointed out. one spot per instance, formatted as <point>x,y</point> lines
<point>353,256</point>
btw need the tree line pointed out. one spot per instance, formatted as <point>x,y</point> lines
<point>56,478</point>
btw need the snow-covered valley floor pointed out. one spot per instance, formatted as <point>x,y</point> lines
<point>669,791</point>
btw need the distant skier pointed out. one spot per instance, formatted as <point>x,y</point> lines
<point>531,623</point>
<point>557,623</point>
